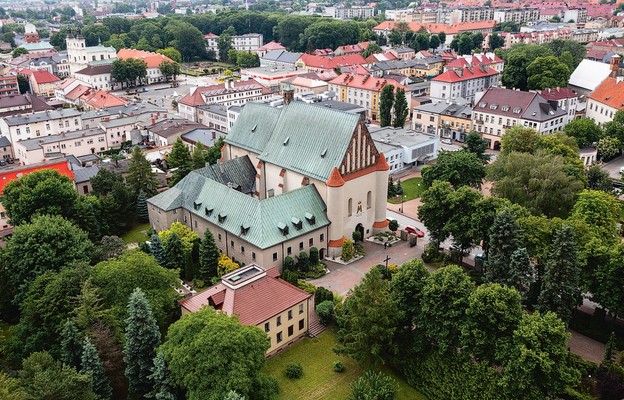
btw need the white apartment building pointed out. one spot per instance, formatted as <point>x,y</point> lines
<point>40,124</point>
<point>463,83</point>
<point>77,143</point>
<point>498,109</point>
<point>362,12</point>
<point>248,42</point>
<point>518,15</point>
<point>606,100</point>
<point>566,99</point>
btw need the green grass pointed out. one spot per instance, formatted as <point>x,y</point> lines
<point>411,190</point>
<point>137,234</point>
<point>319,380</point>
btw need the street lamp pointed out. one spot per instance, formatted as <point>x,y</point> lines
<point>402,199</point>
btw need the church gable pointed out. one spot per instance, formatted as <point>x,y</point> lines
<point>361,152</point>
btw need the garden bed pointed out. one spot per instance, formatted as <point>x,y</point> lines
<point>384,237</point>
<point>339,260</point>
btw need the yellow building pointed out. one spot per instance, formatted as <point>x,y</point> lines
<point>258,297</point>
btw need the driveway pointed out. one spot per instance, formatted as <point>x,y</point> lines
<point>613,167</point>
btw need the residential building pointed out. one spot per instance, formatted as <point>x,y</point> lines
<point>82,178</point>
<point>270,77</point>
<point>520,16</point>
<point>267,47</point>
<point>213,116</point>
<point>606,100</point>
<point>166,132</point>
<point>43,83</point>
<point>484,27</point>
<point>542,37</point>
<point>227,93</point>
<point>99,99</point>
<point>588,75</point>
<point>247,42</point>
<point>351,12</point>
<point>302,85</point>
<point>97,76</point>
<point>279,58</point>
<point>207,137</point>
<point>404,148</point>
<point>80,56</point>
<point>328,64</point>
<point>152,60</point>
<point>8,85</point>
<point>499,109</point>
<point>420,67</point>
<point>450,120</point>
<point>403,52</point>
<point>363,90</point>
<point>345,50</point>
<point>292,178</point>
<point>39,124</point>
<point>463,82</point>
<point>21,104</point>
<point>578,15</point>
<point>474,60</point>
<point>259,298</point>
<point>566,99</point>
<point>76,143</point>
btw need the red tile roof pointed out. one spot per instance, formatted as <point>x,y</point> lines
<point>611,93</point>
<point>210,35</point>
<point>254,302</point>
<point>10,175</point>
<point>323,52</point>
<point>195,99</point>
<point>476,59</point>
<point>366,82</point>
<point>332,62</point>
<point>44,76</point>
<point>153,60</point>
<point>76,92</point>
<point>272,45</point>
<point>100,99</point>
<point>459,75</point>
<point>557,93</point>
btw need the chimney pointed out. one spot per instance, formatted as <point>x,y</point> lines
<point>615,66</point>
<point>289,94</point>
<point>214,135</point>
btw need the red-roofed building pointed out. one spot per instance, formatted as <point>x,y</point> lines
<point>43,83</point>
<point>319,64</point>
<point>567,99</point>
<point>99,99</point>
<point>272,45</point>
<point>8,85</point>
<point>259,298</point>
<point>463,83</point>
<point>351,49</point>
<point>467,60</point>
<point>484,27</point>
<point>606,100</point>
<point>323,52</point>
<point>6,176</point>
<point>153,61</point>
<point>363,90</point>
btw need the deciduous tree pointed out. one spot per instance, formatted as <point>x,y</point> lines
<point>477,145</point>
<point>584,130</point>
<point>459,168</point>
<point>547,72</point>
<point>374,385</point>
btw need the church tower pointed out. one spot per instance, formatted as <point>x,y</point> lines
<point>75,46</point>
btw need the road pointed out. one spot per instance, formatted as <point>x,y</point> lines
<point>613,167</point>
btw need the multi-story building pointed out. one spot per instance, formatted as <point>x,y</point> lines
<point>328,64</point>
<point>227,93</point>
<point>422,68</point>
<point>97,76</point>
<point>520,16</point>
<point>43,83</point>
<point>213,116</point>
<point>606,100</point>
<point>364,90</point>
<point>247,42</point>
<point>279,59</point>
<point>167,131</point>
<point>291,179</point>
<point>499,109</point>
<point>484,27</point>
<point>270,77</point>
<point>471,14</point>
<point>450,120</point>
<point>80,56</point>
<point>22,104</point>
<point>40,124</point>
<point>541,37</point>
<point>578,15</point>
<point>76,143</point>
<point>259,298</point>
<point>405,148</point>
<point>475,60</point>
<point>8,85</point>
<point>566,99</point>
<point>463,83</point>
<point>360,12</point>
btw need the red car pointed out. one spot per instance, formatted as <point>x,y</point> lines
<point>414,230</point>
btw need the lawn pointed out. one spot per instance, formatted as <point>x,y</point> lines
<point>137,234</point>
<point>319,380</point>
<point>413,188</point>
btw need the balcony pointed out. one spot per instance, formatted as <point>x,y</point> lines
<point>479,121</point>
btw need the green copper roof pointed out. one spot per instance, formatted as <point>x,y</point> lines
<point>301,137</point>
<point>263,223</point>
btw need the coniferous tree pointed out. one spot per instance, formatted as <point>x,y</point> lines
<point>92,364</point>
<point>398,189</point>
<point>198,157</point>
<point>142,337</point>
<point>386,101</point>
<point>174,252</point>
<point>521,272</point>
<point>140,175</point>
<point>160,378</point>
<point>180,158</point>
<point>71,344</point>
<point>504,238</point>
<point>391,188</point>
<point>208,257</point>
<point>560,289</point>
<point>142,206</point>
<point>158,251</point>
<point>400,109</point>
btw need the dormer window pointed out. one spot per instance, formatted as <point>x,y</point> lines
<point>505,108</point>
<point>196,205</point>
<point>222,218</point>
<point>517,110</point>
<point>208,210</point>
<point>493,106</point>
<point>244,229</point>
<point>296,223</point>
<point>283,228</point>
<point>310,218</point>
<point>482,104</point>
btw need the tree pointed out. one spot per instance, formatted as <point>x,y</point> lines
<point>599,179</point>
<point>208,257</point>
<point>225,265</point>
<point>461,224</point>
<point>169,69</point>
<point>540,183</point>
<point>44,378</point>
<point>395,38</point>
<point>435,211</point>
<point>227,356</point>
<point>494,313</point>
<point>444,300</point>
<point>214,152</point>
<point>421,41</point>
<point>140,175</point>
<point>609,292</point>
<point>177,258</point>
<point>160,377</point>
<point>400,109</point>
<point>537,363</point>
<point>45,244</point>
<point>406,291</point>
<point>18,52</point>
<point>105,181</point>
<point>373,48</point>
<point>141,207</point>
<point>584,131</point>
<point>172,53</point>
<point>609,147</point>
<point>477,145</point>
<point>91,364</point>
<point>180,158</point>
<point>367,322</point>
<point>434,41</point>
<point>442,37</point>
<point>521,273</point>
<point>158,251</point>
<point>245,59</point>
<point>601,212</point>
<point>520,139</point>
<point>374,385</point>
<point>496,41</point>
<point>615,127</point>
<point>386,101</point>
<point>459,168</point>
<point>517,59</point>
<point>198,158</point>
<point>187,39</point>
<point>71,345</point>
<point>561,46</point>
<point>39,193</point>
<point>504,240</point>
<point>547,72</point>
<point>561,282</point>
<point>142,337</point>
<point>224,45</point>
<point>348,250</point>
<point>23,84</point>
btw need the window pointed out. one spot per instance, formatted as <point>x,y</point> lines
<point>48,127</point>
<point>322,237</point>
<point>431,119</point>
<point>300,245</point>
<point>310,242</point>
<point>243,249</point>
<point>274,256</point>
<point>267,327</point>
<point>27,129</point>
<point>291,330</point>
<point>289,250</point>
<point>219,237</point>
<point>300,308</point>
<point>279,337</point>
<point>290,315</point>
<point>301,324</point>
<point>253,256</point>
<point>279,320</point>
<point>369,197</point>
<point>66,124</point>
<point>232,243</point>
<point>17,131</point>
<point>350,207</point>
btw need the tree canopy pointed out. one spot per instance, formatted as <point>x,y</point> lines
<point>459,168</point>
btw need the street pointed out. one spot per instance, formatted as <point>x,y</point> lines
<point>613,167</point>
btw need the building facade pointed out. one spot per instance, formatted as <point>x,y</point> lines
<point>463,83</point>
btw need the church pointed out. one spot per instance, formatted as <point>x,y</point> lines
<point>289,179</point>
<point>80,56</point>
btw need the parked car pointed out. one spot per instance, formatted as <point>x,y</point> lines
<point>446,141</point>
<point>2,163</point>
<point>414,230</point>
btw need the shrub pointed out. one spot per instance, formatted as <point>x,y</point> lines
<point>348,250</point>
<point>325,311</point>
<point>356,236</point>
<point>393,225</point>
<point>289,264</point>
<point>294,371</point>
<point>314,256</point>
<point>303,262</point>
<point>339,366</point>
<point>431,254</point>
<point>322,294</point>
<point>306,286</point>
<point>290,276</point>
<point>374,385</point>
